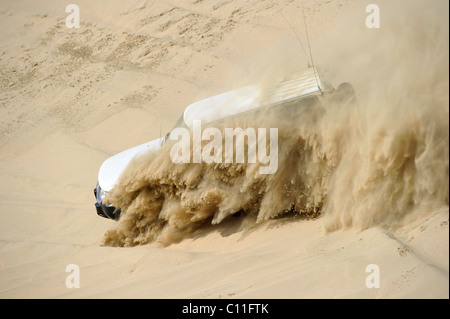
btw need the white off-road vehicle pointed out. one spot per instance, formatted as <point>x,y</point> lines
<point>299,89</point>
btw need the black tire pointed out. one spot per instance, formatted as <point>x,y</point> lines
<point>345,93</point>
<point>117,215</point>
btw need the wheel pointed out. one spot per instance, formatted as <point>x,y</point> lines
<point>345,93</point>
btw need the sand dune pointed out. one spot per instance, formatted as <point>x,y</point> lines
<point>70,98</point>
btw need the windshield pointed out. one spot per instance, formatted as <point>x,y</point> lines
<point>179,123</point>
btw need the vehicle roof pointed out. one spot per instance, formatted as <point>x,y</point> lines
<point>297,85</point>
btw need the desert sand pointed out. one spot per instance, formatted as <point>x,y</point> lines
<point>71,98</point>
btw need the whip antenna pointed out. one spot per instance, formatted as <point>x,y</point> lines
<point>298,38</point>
<point>310,53</point>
